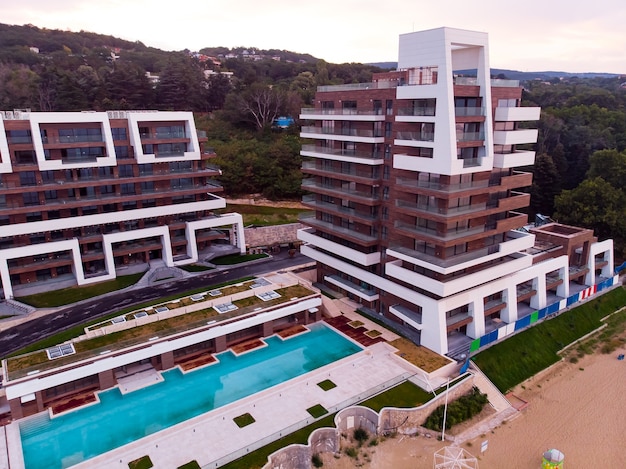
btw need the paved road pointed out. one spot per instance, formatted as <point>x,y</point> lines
<point>28,332</point>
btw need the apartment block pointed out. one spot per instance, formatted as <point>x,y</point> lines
<point>418,195</point>
<point>85,194</point>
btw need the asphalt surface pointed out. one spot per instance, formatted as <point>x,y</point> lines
<point>29,332</point>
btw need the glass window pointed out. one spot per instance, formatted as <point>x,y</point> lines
<point>27,178</point>
<point>119,133</point>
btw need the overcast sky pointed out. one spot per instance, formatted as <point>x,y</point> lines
<point>527,35</point>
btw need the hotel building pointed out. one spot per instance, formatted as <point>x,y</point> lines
<point>85,193</point>
<point>419,210</point>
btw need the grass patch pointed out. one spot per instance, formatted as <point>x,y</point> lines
<point>404,395</point>
<point>317,411</point>
<point>373,333</point>
<point>459,411</point>
<point>327,385</point>
<point>232,259</point>
<point>356,324</point>
<point>190,465</point>
<point>419,356</point>
<point>244,420</point>
<point>265,216</point>
<point>78,330</point>
<point>142,463</point>
<point>195,268</point>
<point>66,296</point>
<point>527,353</point>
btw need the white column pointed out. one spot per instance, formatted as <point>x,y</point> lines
<point>509,297</point>
<point>476,328</point>
<point>5,277</point>
<point>539,300</point>
<point>563,289</point>
<point>434,333</point>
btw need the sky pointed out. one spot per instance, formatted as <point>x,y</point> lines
<point>528,35</point>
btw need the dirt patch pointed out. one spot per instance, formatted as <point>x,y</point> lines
<point>247,346</point>
<point>286,333</point>
<point>419,356</point>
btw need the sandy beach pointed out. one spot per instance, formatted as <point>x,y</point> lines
<point>578,408</point>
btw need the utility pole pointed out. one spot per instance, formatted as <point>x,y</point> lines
<point>445,411</point>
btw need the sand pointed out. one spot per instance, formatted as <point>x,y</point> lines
<point>578,408</point>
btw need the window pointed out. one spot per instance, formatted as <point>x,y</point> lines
<point>378,106</point>
<point>50,195</point>
<point>28,178</point>
<point>147,187</point>
<point>127,189</point>
<point>180,167</point>
<point>146,169</point>
<point>172,131</point>
<point>82,154</point>
<point>19,136</point>
<point>47,176</point>
<point>108,189</point>
<point>125,170</point>
<point>80,135</point>
<point>387,152</point>
<point>389,107</point>
<point>105,172</point>
<point>30,199</point>
<point>119,133</point>
<point>388,129</point>
<point>25,157</point>
<point>122,151</point>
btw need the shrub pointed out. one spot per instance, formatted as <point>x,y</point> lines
<point>360,435</point>
<point>464,408</point>
<point>316,460</point>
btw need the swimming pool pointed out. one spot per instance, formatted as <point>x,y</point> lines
<point>120,419</point>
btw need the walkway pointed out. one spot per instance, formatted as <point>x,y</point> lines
<point>214,438</point>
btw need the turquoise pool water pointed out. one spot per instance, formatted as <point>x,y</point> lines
<point>119,419</point>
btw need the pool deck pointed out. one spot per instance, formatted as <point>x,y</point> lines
<point>214,435</point>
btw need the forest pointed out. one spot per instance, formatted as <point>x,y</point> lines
<point>581,152</point>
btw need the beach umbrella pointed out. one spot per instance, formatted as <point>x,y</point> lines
<point>453,457</point>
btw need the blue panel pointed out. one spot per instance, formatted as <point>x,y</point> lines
<point>553,308</point>
<point>484,340</point>
<point>572,299</point>
<point>542,313</point>
<point>465,366</point>
<point>521,323</point>
<point>493,336</point>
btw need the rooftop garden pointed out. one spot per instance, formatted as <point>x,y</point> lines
<point>37,361</point>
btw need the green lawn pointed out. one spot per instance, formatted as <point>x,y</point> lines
<point>527,353</point>
<point>66,296</point>
<point>265,216</point>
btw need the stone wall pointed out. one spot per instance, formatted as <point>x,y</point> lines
<point>267,236</point>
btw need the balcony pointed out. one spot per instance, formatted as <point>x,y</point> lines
<point>415,137</point>
<point>366,259</point>
<point>445,188</point>
<point>421,231</point>
<point>72,139</point>
<point>514,242</point>
<point>344,212</point>
<point>514,159</point>
<point>358,86</point>
<point>339,231</point>
<point>444,211</point>
<point>350,156</point>
<point>473,81</point>
<point>345,135</point>
<point>343,114</point>
<point>517,114</point>
<point>362,292</point>
<point>463,111</point>
<point>370,175</point>
<point>515,137</point>
<point>368,198</point>
<point>470,136</point>
<point>162,135</point>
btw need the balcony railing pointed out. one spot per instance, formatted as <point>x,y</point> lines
<point>473,81</point>
<point>162,135</point>
<point>340,231</point>
<point>372,174</point>
<point>342,132</point>
<point>358,86</point>
<point>470,136</point>
<point>450,211</point>
<point>374,155</point>
<point>342,211</point>
<point>342,112</point>
<point>312,184</point>
<point>449,235</point>
<point>416,136</point>
<point>73,139</point>
<point>416,111</point>
<point>445,187</point>
<point>469,111</point>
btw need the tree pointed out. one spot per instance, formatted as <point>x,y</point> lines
<point>594,204</point>
<point>609,165</point>
<point>546,185</point>
<point>261,105</point>
<point>218,86</point>
<point>180,86</point>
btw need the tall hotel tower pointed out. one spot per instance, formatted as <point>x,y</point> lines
<point>419,212</point>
